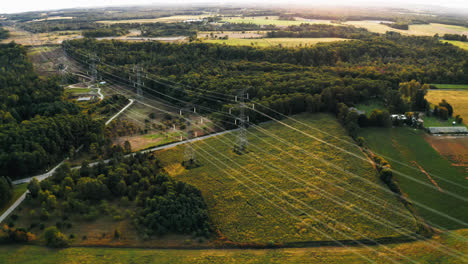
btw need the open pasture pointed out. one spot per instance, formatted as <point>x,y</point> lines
<point>242,190</point>
<point>426,178</point>
<point>169,19</point>
<point>420,251</point>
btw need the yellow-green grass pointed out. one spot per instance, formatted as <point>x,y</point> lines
<point>420,30</point>
<point>432,121</point>
<point>450,86</point>
<point>408,146</point>
<point>18,190</point>
<point>170,19</point>
<point>272,42</point>
<point>461,44</point>
<point>272,20</point>
<point>421,252</point>
<point>458,99</point>
<point>242,215</point>
<point>51,38</point>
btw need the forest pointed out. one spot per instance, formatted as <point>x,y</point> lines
<point>321,31</point>
<point>3,33</point>
<point>161,204</point>
<point>287,80</point>
<point>36,128</point>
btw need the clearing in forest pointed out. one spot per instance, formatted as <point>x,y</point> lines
<point>243,191</point>
<point>402,146</point>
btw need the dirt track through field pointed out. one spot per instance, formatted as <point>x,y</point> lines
<point>428,176</point>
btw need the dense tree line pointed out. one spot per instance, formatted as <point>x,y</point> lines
<point>36,127</point>
<point>398,25</point>
<point>105,32</point>
<point>325,74</point>
<point>455,37</point>
<point>4,34</point>
<point>321,31</point>
<point>161,204</point>
<point>6,190</point>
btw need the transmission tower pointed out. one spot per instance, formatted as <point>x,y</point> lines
<point>137,69</point>
<point>189,152</point>
<point>241,144</point>
<point>92,67</point>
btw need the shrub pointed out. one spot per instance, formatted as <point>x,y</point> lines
<point>54,238</point>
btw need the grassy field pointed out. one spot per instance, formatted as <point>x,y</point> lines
<point>369,106</point>
<point>52,38</point>
<point>420,30</point>
<point>18,190</point>
<point>418,251</point>
<point>458,99</point>
<point>244,216</point>
<point>450,86</point>
<point>232,34</point>
<point>431,121</point>
<point>272,20</point>
<point>461,44</point>
<point>271,42</point>
<point>409,146</point>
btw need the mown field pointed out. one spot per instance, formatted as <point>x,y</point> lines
<point>408,146</point>
<point>458,99</point>
<point>242,190</point>
<point>461,44</point>
<point>450,86</point>
<point>271,42</point>
<point>422,252</point>
<point>273,20</point>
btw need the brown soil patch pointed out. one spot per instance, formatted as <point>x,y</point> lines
<point>428,176</point>
<point>454,148</point>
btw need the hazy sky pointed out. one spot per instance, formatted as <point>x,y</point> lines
<point>14,6</point>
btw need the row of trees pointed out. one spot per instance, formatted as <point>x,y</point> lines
<point>4,34</point>
<point>321,31</point>
<point>455,37</point>
<point>343,72</point>
<point>162,205</point>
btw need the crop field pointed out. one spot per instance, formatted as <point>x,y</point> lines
<point>241,198</point>
<point>170,19</point>
<point>458,99</point>
<point>273,20</point>
<point>52,38</point>
<point>420,30</point>
<point>454,148</point>
<point>437,177</point>
<point>272,42</point>
<point>461,44</point>
<point>421,251</point>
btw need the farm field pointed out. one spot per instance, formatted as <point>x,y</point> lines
<point>243,214</point>
<point>461,44</point>
<point>271,42</point>
<point>408,146</point>
<point>454,148</point>
<point>273,20</point>
<point>419,251</point>
<point>458,99</point>
<point>420,30</point>
<point>170,19</point>
<point>52,38</point>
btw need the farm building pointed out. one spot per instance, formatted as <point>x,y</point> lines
<point>460,130</point>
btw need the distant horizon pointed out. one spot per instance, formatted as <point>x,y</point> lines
<point>23,6</point>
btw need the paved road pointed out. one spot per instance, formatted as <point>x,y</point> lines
<point>48,174</point>
<point>121,111</point>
